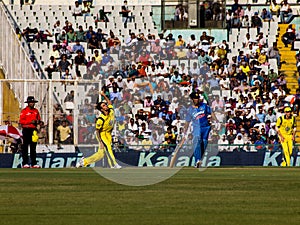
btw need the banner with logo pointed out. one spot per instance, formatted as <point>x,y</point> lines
<point>154,159</point>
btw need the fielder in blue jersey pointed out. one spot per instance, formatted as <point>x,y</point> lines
<point>197,115</point>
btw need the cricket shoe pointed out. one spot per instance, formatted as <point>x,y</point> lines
<point>117,166</point>
<point>36,166</point>
<point>26,166</point>
<point>198,164</point>
<point>80,163</point>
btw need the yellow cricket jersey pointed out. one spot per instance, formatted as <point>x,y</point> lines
<point>106,123</point>
<point>286,126</point>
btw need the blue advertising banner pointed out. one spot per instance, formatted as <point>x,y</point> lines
<point>154,159</point>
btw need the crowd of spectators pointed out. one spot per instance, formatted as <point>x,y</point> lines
<point>150,82</point>
<point>239,16</point>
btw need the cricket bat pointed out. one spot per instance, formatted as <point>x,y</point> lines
<point>174,157</point>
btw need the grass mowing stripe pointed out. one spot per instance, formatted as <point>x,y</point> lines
<point>215,196</point>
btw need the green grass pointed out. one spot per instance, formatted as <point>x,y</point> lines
<point>219,196</point>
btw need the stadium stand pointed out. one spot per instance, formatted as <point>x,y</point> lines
<point>241,82</point>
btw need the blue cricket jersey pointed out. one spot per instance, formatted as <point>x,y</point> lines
<point>198,117</point>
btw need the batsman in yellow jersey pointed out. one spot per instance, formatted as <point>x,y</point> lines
<point>286,128</point>
<point>104,126</point>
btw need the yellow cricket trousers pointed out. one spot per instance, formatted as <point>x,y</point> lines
<point>287,149</point>
<point>104,148</point>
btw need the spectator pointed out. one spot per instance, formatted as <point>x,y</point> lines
<point>249,12</point>
<point>71,36</point>
<point>238,142</point>
<point>100,35</point>
<point>78,47</point>
<point>57,29</point>
<point>89,33</point>
<point>54,52</point>
<point>102,16</point>
<point>93,43</point>
<point>34,63</point>
<point>285,11</point>
<point>288,38</point>
<point>80,34</point>
<point>203,59</point>
<point>240,12</point>
<point>42,37</point>
<point>266,15</point>
<point>115,94</point>
<point>64,133</point>
<point>113,43</point>
<point>62,37</point>
<point>256,21</point>
<point>177,12</point>
<point>86,11</point>
<point>64,64</point>
<point>223,144</point>
<point>147,142</point>
<point>79,61</point>
<point>246,22</point>
<point>67,75</point>
<point>77,11</point>
<point>105,58</point>
<point>148,102</point>
<point>192,43</point>
<point>180,42</point>
<point>206,37</point>
<point>235,6</point>
<point>236,21</point>
<point>51,67</point>
<point>275,8</point>
<point>273,53</point>
<point>162,70</point>
<point>68,25</point>
<point>125,14</point>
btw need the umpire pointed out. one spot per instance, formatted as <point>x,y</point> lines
<point>29,119</point>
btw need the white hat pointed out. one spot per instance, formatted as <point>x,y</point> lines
<point>227,105</point>
<point>255,77</point>
<point>248,105</point>
<point>201,97</point>
<point>228,110</point>
<point>263,51</point>
<point>146,136</point>
<point>200,88</point>
<point>111,77</point>
<point>230,120</point>
<point>119,77</point>
<point>257,81</point>
<point>238,105</point>
<point>239,134</point>
<point>289,30</point>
